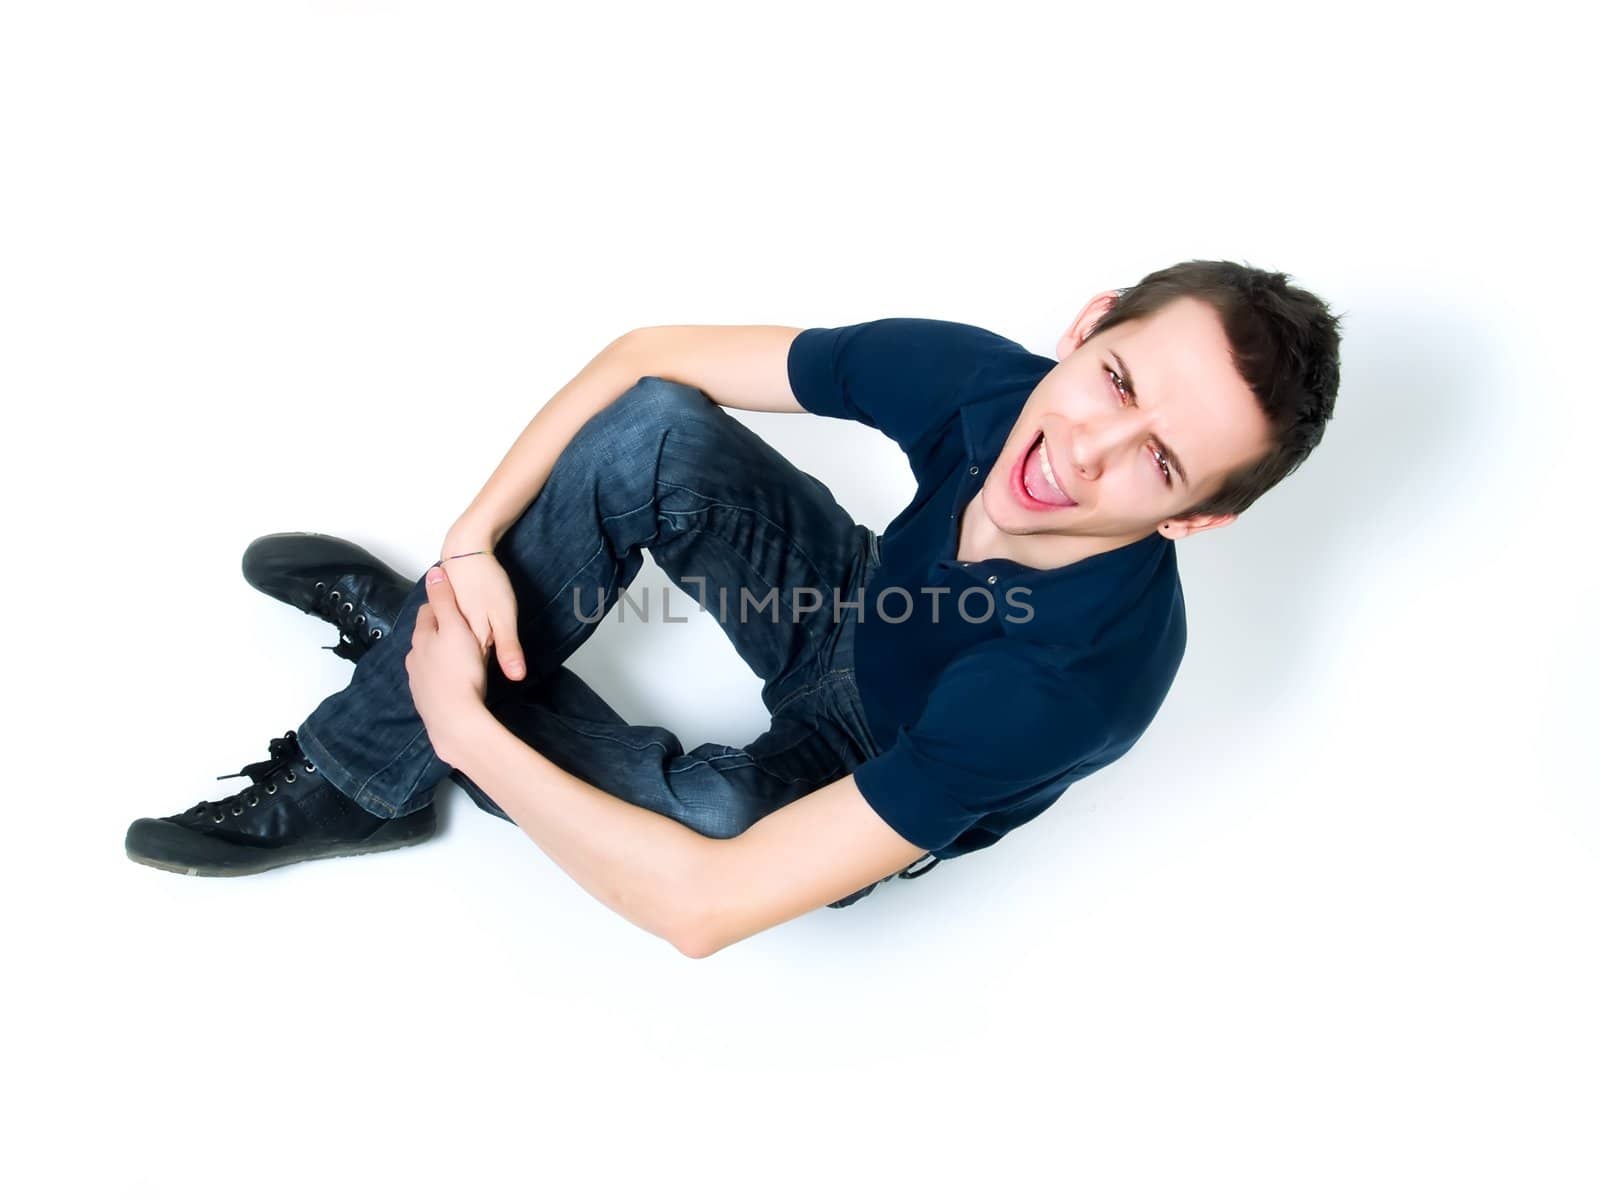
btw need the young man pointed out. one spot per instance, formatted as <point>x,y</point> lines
<point>1013,630</point>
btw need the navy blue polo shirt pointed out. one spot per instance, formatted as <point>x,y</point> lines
<point>989,711</point>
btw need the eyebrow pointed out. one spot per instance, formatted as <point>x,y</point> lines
<point>1127,379</point>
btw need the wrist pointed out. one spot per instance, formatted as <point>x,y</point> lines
<point>467,735</point>
<point>466,535</point>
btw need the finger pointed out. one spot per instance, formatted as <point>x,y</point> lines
<point>509,650</point>
<point>426,621</point>
<point>442,599</point>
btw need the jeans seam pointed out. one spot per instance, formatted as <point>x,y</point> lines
<point>708,760</point>
<point>557,594</point>
<point>651,503</point>
<point>711,502</point>
<point>554,715</point>
<point>693,762</point>
<point>811,688</point>
<point>711,533</point>
<point>756,512</point>
<point>717,535</point>
<point>366,787</point>
<point>733,753</point>
<point>362,789</point>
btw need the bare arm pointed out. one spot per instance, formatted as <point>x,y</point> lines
<point>638,863</point>
<point>526,466</point>
<point>698,893</point>
<point>738,366</point>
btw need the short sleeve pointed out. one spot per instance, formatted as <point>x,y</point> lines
<point>899,375</point>
<point>1000,729</point>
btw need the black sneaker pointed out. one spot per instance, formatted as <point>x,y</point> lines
<point>287,814</point>
<point>353,590</point>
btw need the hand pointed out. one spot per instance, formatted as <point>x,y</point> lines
<point>484,597</point>
<point>446,668</point>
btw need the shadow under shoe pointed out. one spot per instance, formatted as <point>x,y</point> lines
<point>346,585</point>
<point>288,813</point>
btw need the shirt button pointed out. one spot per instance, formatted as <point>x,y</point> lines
<point>994,579</point>
<point>972,470</point>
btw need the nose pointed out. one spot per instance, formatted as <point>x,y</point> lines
<point>1101,440</point>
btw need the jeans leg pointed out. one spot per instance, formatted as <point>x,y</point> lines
<point>717,789</point>
<point>662,468</point>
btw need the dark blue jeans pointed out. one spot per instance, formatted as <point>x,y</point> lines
<point>758,543</point>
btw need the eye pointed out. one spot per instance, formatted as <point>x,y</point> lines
<point>1161,461</point>
<point>1155,451</point>
<point>1116,381</point>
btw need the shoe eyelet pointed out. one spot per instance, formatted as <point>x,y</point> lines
<point>321,587</point>
<point>334,594</point>
<point>237,810</point>
<point>361,619</point>
<point>311,767</point>
<point>272,789</point>
<point>289,778</point>
<point>348,607</point>
<point>252,802</point>
<point>377,634</point>
<point>217,819</point>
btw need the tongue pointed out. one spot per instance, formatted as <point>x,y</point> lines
<point>1033,477</point>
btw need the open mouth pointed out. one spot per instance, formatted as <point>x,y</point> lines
<point>1035,479</point>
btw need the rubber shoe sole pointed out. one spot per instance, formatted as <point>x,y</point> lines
<point>157,843</point>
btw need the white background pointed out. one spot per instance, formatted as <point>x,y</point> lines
<point>1328,930</point>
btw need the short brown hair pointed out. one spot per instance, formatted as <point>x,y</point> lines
<point>1285,345</point>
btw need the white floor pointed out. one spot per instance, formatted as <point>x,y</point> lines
<point>1328,930</point>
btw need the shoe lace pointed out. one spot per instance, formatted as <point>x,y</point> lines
<point>329,603</point>
<point>264,778</point>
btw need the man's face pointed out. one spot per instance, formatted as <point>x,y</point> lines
<point>1117,416</point>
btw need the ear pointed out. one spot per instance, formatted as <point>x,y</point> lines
<point>1189,526</point>
<point>1083,328</point>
